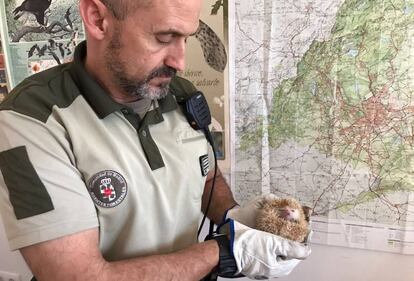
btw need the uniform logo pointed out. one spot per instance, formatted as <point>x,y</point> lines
<point>204,165</point>
<point>107,188</point>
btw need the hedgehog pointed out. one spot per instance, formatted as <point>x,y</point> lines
<point>285,217</point>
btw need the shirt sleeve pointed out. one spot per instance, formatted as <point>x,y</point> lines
<point>42,193</point>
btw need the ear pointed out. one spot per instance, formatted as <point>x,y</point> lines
<point>308,212</point>
<point>96,17</point>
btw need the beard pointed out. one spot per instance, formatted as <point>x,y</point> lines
<point>135,86</point>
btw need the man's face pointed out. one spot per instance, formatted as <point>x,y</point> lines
<point>147,49</point>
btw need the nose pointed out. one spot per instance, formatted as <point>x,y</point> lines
<point>176,55</point>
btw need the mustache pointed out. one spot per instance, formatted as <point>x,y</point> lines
<point>163,71</point>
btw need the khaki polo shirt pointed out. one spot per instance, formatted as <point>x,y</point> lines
<point>72,159</point>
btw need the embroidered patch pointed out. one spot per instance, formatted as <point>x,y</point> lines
<point>204,165</point>
<point>107,188</point>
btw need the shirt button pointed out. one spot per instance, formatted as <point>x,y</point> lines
<point>124,111</point>
<point>144,133</point>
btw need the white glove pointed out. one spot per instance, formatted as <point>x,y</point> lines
<point>258,254</point>
<point>248,213</point>
<point>261,255</point>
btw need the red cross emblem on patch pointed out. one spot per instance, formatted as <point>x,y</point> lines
<point>107,190</point>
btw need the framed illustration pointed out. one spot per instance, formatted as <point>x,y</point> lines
<point>4,85</point>
<point>39,36</point>
<point>206,67</point>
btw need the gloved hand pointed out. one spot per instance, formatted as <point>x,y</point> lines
<point>258,254</point>
<point>261,255</point>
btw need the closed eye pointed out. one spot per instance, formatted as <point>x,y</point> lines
<point>164,38</point>
<point>167,36</point>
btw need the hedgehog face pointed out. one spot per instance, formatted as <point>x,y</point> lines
<point>289,214</point>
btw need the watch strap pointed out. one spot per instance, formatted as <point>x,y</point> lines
<point>227,266</point>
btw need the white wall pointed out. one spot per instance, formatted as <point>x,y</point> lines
<point>328,263</point>
<point>344,264</point>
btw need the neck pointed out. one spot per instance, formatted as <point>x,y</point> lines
<point>96,68</point>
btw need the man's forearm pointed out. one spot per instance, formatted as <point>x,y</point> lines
<point>221,201</point>
<point>190,264</point>
<point>77,257</point>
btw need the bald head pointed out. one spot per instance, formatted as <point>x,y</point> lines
<point>122,8</point>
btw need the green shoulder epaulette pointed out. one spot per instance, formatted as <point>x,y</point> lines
<point>181,88</point>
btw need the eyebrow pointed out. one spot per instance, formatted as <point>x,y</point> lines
<point>170,31</point>
<point>174,32</point>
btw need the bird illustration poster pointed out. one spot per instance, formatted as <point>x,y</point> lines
<point>39,34</point>
<point>4,88</point>
<point>206,66</point>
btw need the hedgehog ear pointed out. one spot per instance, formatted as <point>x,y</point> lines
<point>308,212</point>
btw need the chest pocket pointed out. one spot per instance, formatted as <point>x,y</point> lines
<point>188,135</point>
<point>188,140</point>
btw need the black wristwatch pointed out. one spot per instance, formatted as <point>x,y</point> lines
<point>227,266</point>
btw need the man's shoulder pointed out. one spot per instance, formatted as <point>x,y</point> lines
<point>181,88</point>
<point>36,95</point>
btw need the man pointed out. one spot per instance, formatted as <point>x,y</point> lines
<point>101,171</point>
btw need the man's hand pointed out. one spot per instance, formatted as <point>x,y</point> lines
<point>262,255</point>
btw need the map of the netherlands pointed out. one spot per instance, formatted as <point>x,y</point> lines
<point>338,123</point>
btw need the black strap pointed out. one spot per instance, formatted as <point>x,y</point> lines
<point>227,266</point>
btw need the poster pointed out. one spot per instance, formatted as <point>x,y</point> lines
<point>39,37</point>
<point>206,68</point>
<point>4,86</point>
